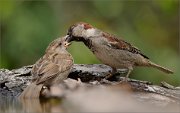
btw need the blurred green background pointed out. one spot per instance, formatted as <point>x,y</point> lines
<point>27,27</point>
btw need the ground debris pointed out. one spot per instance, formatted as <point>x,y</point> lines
<point>87,87</point>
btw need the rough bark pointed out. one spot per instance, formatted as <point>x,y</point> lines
<point>12,83</point>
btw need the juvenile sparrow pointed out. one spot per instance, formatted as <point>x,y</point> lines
<point>50,69</point>
<point>110,49</point>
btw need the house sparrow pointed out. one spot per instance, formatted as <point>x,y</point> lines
<point>110,49</point>
<point>50,69</point>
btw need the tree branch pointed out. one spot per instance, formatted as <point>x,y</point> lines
<point>12,83</point>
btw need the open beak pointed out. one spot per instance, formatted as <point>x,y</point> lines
<point>67,41</point>
<point>67,44</point>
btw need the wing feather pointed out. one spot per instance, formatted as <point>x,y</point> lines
<point>47,68</point>
<point>121,44</point>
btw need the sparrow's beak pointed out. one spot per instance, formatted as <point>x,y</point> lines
<point>67,44</point>
<point>69,38</point>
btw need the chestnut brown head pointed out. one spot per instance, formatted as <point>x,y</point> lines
<point>80,31</point>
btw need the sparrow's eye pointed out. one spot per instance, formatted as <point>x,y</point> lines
<point>60,44</point>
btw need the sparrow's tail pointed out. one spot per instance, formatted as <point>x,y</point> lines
<point>168,71</point>
<point>31,91</point>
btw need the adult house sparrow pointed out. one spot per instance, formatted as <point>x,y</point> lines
<point>110,49</point>
<point>50,69</point>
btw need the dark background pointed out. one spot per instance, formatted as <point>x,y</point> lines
<point>27,27</point>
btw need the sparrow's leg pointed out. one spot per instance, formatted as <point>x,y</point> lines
<point>111,73</point>
<point>129,71</point>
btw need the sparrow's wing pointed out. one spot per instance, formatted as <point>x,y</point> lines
<point>47,71</point>
<point>121,44</point>
<point>49,68</point>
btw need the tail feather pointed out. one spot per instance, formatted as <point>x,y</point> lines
<point>31,91</point>
<point>161,68</point>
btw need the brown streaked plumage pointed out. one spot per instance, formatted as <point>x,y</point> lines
<point>121,44</point>
<point>110,49</point>
<point>51,69</point>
